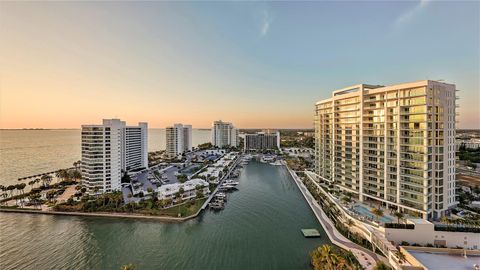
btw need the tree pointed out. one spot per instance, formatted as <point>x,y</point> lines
<point>377,212</point>
<point>126,178</point>
<point>349,223</point>
<point>346,199</point>
<point>34,198</point>
<point>46,179</point>
<point>445,220</point>
<point>11,188</point>
<point>400,256</point>
<point>77,165</point>
<point>381,266</point>
<point>127,267</point>
<point>75,175</point>
<point>62,174</point>
<point>50,195</point>
<point>323,258</point>
<point>20,187</point>
<point>398,215</point>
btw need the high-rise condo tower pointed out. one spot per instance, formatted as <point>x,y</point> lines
<point>391,144</point>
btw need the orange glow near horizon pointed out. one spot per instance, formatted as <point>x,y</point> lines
<point>67,64</point>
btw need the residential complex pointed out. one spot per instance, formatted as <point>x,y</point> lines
<point>262,140</point>
<point>183,191</point>
<point>179,140</point>
<point>110,149</point>
<point>224,134</point>
<point>392,144</point>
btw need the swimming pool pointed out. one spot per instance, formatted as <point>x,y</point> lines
<point>366,212</point>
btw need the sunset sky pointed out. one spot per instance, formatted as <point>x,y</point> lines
<point>254,64</point>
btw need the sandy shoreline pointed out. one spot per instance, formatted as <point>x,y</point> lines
<point>98,214</point>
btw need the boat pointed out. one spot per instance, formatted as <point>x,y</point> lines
<point>228,187</point>
<point>231,182</point>
<point>221,195</point>
<point>216,205</point>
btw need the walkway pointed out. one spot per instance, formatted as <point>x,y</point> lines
<point>366,257</point>
<point>69,192</point>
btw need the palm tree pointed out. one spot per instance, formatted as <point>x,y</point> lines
<point>398,215</point>
<point>324,258</point>
<point>127,267</point>
<point>61,174</point>
<point>20,187</point>
<point>381,266</point>
<point>377,212</point>
<point>11,188</point>
<point>349,223</point>
<point>445,220</point>
<point>401,256</point>
<point>76,175</point>
<point>34,198</point>
<point>77,164</point>
<point>46,179</point>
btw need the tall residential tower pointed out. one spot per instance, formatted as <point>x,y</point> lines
<point>392,144</point>
<point>179,140</point>
<point>262,141</point>
<point>224,134</point>
<point>110,149</point>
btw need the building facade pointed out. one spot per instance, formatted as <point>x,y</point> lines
<point>224,134</point>
<point>262,141</point>
<point>392,144</point>
<point>110,149</point>
<point>178,140</point>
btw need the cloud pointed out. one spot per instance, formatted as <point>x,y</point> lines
<point>267,20</point>
<point>410,13</point>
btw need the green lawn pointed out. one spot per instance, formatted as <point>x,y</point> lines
<point>185,209</point>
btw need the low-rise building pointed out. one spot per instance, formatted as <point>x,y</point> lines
<point>423,232</point>
<point>190,188</point>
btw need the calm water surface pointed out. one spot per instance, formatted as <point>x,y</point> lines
<point>29,152</point>
<point>259,229</point>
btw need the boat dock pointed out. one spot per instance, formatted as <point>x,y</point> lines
<point>310,233</point>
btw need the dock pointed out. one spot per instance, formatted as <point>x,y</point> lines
<point>310,233</point>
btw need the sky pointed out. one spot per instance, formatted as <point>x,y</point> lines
<point>256,64</point>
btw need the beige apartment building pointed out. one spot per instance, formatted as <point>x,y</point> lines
<point>392,144</point>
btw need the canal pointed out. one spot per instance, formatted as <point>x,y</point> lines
<point>258,229</point>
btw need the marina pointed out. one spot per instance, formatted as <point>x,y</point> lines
<point>266,213</point>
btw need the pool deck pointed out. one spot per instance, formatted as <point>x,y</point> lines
<point>366,257</point>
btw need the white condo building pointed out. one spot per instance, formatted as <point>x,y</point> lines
<point>392,144</point>
<point>179,140</point>
<point>224,134</point>
<point>110,149</point>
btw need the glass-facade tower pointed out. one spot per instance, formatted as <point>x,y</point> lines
<point>393,144</point>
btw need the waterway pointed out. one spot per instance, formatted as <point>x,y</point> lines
<point>258,229</point>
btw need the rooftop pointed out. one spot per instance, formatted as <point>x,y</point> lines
<point>444,261</point>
